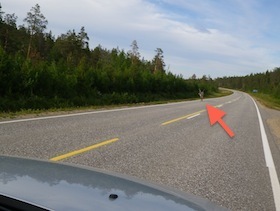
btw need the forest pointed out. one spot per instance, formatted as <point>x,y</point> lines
<point>39,70</point>
<point>266,83</point>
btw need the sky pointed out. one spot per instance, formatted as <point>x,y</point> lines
<point>204,37</point>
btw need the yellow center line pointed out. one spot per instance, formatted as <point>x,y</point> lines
<point>187,116</point>
<point>76,152</point>
<point>183,117</point>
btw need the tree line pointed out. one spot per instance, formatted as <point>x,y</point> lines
<point>267,82</point>
<point>41,71</point>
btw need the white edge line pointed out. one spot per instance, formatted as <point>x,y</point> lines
<point>87,113</point>
<point>193,116</point>
<point>269,162</point>
<point>90,112</point>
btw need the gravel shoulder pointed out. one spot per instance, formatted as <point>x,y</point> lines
<point>272,118</point>
<point>274,126</point>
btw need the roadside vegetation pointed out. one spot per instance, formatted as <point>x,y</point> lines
<point>265,87</point>
<point>267,100</point>
<point>40,71</point>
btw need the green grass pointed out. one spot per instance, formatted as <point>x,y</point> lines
<point>220,93</point>
<point>54,111</point>
<point>267,100</point>
<point>45,112</point>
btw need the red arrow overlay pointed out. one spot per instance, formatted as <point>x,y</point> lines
<point>215,115</point>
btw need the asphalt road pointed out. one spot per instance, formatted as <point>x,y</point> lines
<point>170,144</point>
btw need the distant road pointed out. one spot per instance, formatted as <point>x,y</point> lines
<point>171,144</point>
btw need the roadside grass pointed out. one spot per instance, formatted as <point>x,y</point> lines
<point>221,93</point>
<point>267,100</point>
<point>30,113</point>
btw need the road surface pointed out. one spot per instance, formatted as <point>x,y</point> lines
<point>171,144</point>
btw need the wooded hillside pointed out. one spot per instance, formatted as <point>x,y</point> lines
<point>267,82</point>
<point>39,70</point>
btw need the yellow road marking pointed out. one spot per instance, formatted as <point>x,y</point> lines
<point>188,116</point>
<point>76,152</point>
<point>183,117</point>
<point>193,116</point>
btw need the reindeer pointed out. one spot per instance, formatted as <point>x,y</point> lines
<point>201,94</point>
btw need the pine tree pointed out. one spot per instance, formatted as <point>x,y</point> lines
<point>36,22</point>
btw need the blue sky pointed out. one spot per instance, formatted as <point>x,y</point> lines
<point>202,37</point>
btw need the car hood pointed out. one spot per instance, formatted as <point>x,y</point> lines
<point>58,186</point>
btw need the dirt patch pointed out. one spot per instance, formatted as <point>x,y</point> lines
<point>274,125</point>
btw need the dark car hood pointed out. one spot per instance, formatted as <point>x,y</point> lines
<point>68,187</point>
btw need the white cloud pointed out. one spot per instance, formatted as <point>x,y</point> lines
<point>212,38</point>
